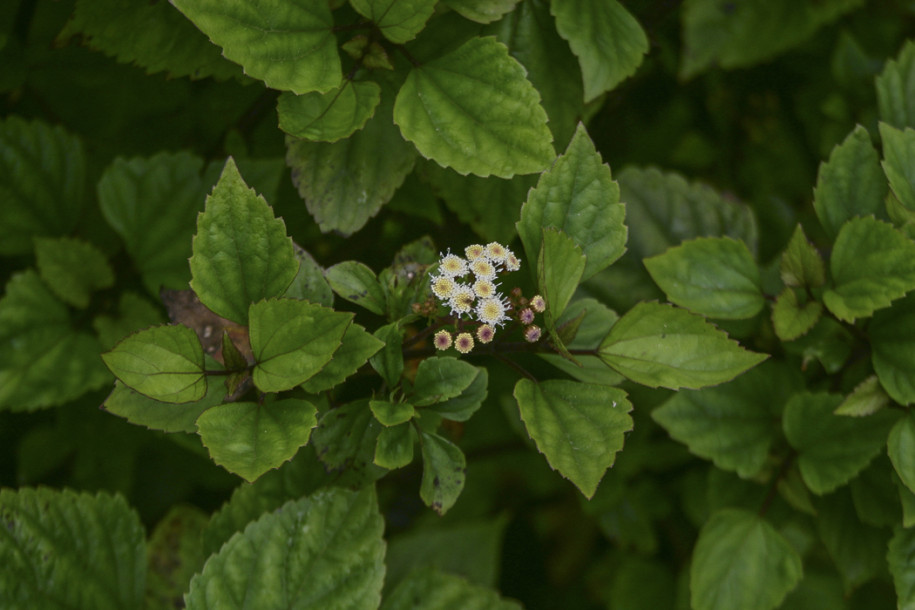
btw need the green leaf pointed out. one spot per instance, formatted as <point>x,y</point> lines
<point>345,183</point>
<point>578,196</point>
<point>438,379</point>
<point>157,415</point>
<point>444,468</point>
<point>892,333</point>
<point>345,442</point>
<point>282,560</point>
<point>355,350</point>
<point>481,11</point>
<point>595,321</point>
<point>828,342</point>
<point>42,183</point>
<point>394,448</point>
<point>309,283</point>
<point>872,264</point>
<point>389,361</point>
<point>900,445</point>
<point>241,251</point>
<point>899,557</point>
<point>251,438</point>
<point>559,268</point>
<point>391,413</point>
<point>152,203</point>
<point>328,117</point>
<point>175,555</point>
<point>801,263</point>
<point>907,499</point>
<point>474,111</point>
<point>867,398</point>
<point>579,427</point>
<point>896,89</point>
<point>659,345</point>
<point>358,284</point>
<point>73,269</point>
<point>430,589</point>
<point>45,361</point>
<point>163,363</point>
<point>607,39</point>
<point>831,448</point>
<point>713,276</point>
<point>898,157</point>
<point>399,21</point>
<point>714,34</point>
<point>792,319</point>
<point>152,35</point>
<point>740,561</point>
<point>462,406</point>
<point>288,45</point>
<point>133,313</point>
<point>734,424</point>
<point>70,550</point>
<point>292,340</point>
<point>850,183</point>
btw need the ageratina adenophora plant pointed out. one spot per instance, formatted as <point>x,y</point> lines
<point>475,369</point>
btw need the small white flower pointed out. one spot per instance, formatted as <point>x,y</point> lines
<point>461,300</point>
<point>452,265</point>
<point>492,311</point>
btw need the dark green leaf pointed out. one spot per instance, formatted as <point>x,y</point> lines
<point>163,363</point>
<point>241,251</point>
<point>559,268</point>
<point>801,263</point>
<point>858,549</point>
<point>740,561</point>
<point>899,557</point>
<point>898,157</point>
<point>157,415</point>
<point>331,116</point>
<point>444,468</point>
<point>431,589</point>
<point>659,345</point>
<point>289,46</point>
<point>474,111</point>
<point>309,283</point>
<point>399,21</point>
<point>282,560</point>
<point>896,89</point>
<point>357,347</point>
<point>461,407</point>
<point>391,413</point>
<point>175,555</point>
<point>792,319</point>
<point>438,379</point>
<point>249,438</point>
<point>389,361</point>
<point>595,321</point>
<point>134,312</point>
<point>716,277</point>
<point>901,449</point>
<point>481,11</point>
<point>579,427</point>
<point>394,448</point>
<point>356,283</point>
<point>345,442</point>
<point>73,269</point>
<point>607,39</point>
<point>892,333</point>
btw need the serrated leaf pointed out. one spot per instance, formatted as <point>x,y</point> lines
<point>734,424</point>
<point>850,183</point>
<point>399,21</point>
<point>438,379</point>
<point>716,277</point>
<point>559,268</point>
<point>394,448</point>
<point>45,361</point>
<point>481,11</point>
<point>389,361</point>
<point>430,589</point>
<point>152,203</point>
<point>892,333</point>
<point>607,39</point>
<point>896,89</point>
<point>356,283</point>
<point>790,318</point>
<point>241,251</point>
<point>462,406</point>
<point>309,283</point>
<point>345,183</point>
<point>828,342</point>
<point>73,269</point>
<point>659,345</point>
<point>740,561</point>
<point>899,558</point>
<point>174,554</point>
<point>149,34</point>
<point>356,348</point>
<point>831,448</point>
<point>288,45</point>
<point>858,549</point>
<point>898,157</point>
<point>715,35</point>
<point>578,196</point>
<point>867,398</point>
<point>292,340</point>
<point>42,183</point>
<point>872,264</point>
<point>69,549</point>
<point>474,111</point>
<point>901,449</point>
<point>391,413</point>
<point>345,442</point>
<point>579,427</point>
<point>444,468</point>
<point>249,438</point>
<point>801,263</point>
<point>163,363</point>
<point>331,116</point>
<point>157,415</point>
<point>595,320</point>
<point>282,559</point>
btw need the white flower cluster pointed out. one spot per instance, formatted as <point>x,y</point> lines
<point>478,294</point>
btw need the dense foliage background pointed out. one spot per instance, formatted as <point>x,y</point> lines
<point>718,119</point>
